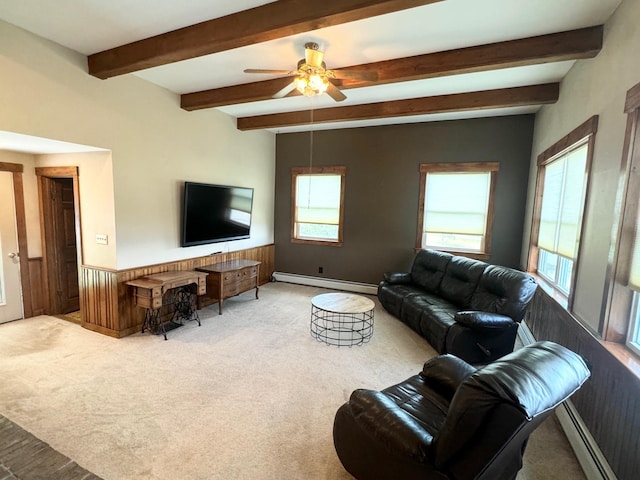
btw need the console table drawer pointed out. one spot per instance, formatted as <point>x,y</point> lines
<point>230,290</point>
<point>239,275</point>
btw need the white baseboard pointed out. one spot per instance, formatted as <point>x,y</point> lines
<point>593,463</point>
<point>591,459</point>
<point>524,334</point>
<point>326,283</point>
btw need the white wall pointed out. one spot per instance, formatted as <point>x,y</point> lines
<point>596,86</point>
<point>46,92</point>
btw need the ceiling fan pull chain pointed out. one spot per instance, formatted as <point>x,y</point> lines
<point>311,135</point>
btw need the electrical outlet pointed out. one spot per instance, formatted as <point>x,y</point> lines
<point>320,270</point>
<point>102,238</point>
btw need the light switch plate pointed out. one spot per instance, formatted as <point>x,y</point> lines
<point>102,238</point>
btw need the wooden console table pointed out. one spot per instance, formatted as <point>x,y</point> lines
<point>149,293</point>
<point>228,279</point>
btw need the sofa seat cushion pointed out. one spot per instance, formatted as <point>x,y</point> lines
<point>415,304</point>
<point>460,280</point>
<point>435,323</point>
<point>392,296</point>
<point>430,316</point>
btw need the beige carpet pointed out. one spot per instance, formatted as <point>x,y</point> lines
<point>248,395</point>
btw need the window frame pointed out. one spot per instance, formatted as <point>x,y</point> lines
<point>583,134</point>
<point>617,323</point>
<point>333,170</point>
<point>461,168</point>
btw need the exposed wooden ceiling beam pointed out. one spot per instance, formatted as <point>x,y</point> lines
<point>260,24</point>
<point>571,45</point>
<point>501,98</point>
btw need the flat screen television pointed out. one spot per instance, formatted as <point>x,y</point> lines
<point>215,213</point>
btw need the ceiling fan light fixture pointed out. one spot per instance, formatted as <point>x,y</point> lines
<point>311,84</point>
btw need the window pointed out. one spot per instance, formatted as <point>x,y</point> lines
<point>633,283</point>
<point>456,207</point>
<point>633,336</point>
<point>622,317</point>
<point>317,205</point>
<point>560,199</point>
<point>560,217</point>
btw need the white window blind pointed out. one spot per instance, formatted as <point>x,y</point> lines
<point>456,209</point>
<point>562,203</point>
<point>634,273</point>
<point>318,199</point>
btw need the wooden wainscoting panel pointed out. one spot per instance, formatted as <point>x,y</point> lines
<point>99,301</point>
<point>609,403</point>
<point>107,303</point>
<point>36,286</point>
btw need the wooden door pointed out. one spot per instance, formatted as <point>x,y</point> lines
<point>65,232</point>
<point>63,269</point>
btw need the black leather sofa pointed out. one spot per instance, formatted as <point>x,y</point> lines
<point>461,306</point>
<point>452,421</point>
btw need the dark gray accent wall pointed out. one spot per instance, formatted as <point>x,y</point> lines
<point>382,190</point>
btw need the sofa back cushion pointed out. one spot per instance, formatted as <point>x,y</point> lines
<point>505,291</point>
<point>460,280</point>
<point>428,269</point>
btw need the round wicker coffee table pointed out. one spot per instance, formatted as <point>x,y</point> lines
<point>342,319</point>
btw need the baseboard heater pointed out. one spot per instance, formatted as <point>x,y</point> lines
<point>591,459</point>
<point>355,287</point>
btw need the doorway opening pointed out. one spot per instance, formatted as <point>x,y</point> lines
<point>61,247</point>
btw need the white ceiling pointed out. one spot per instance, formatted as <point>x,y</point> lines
<point>91,26</point>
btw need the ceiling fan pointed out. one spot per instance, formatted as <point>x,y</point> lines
<point>312,76</point>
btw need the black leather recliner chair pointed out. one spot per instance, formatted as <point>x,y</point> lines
<point>453,421</point>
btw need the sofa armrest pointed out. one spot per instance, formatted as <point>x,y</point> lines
<point>445,373</point>
<point>384,420</point>
<point>483,320</point>
<point>397,277</point>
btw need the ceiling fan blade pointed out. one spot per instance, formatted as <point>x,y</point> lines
<point>355,75</point>
<point>335,93</point>
<point>272,72</point>
<point>285,91</point>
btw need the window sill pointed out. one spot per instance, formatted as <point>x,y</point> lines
<point>624,356</point>
<point>326,243</point>
<point>550,290</point>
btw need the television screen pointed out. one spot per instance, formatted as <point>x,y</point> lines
<point>215,213</point>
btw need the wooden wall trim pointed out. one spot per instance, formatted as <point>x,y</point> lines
<point>36,286</point>
<point>588,128</point>
<point>632,101</point>
<point>57,172</point>
<point>609,402</point>
<point>23,247</point>
<point>21,229</point>
<point>106,300</point>
<point>11,167</point>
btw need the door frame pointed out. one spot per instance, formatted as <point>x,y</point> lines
<point>44,176</point>
<point>21,227</point>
